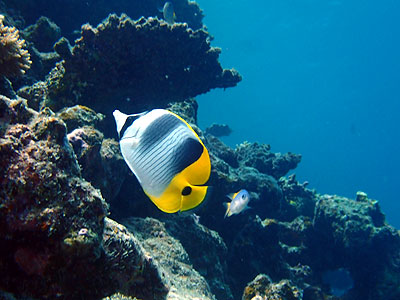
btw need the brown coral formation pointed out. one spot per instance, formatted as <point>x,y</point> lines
<point>14,59</point>
<point>262,288</point>
<point>94,11</point>
<point>143,64</point>
<point>172,258</point>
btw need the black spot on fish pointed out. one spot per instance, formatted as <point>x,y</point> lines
<point>187,153</point>
<point>186,191</point>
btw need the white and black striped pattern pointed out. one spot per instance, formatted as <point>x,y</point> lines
<point>157,146</point>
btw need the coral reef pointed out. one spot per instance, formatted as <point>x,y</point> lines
<point>43,34</point>
<point>353,235</point>
<point>298,200</point>
<point>131,270</point>
<point>218,130</point>
<point>260,157</point>
<point>14,59</point>
<point>292,234</point>
<point>44,205</point>
<point>62,173</point>
<point>79,116</point>
<point>184,282</point>
<point>270,245</point>
<point>100,160</point>
<point>195,238</point>
<point>262,288</point>
<point>66,16</point>
<point>56,240</point>
<point>118,64</point>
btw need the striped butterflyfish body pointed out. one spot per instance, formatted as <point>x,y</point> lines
<point>167,157</point>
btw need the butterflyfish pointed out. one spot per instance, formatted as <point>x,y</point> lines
<point>167,157</point>
<point>238,204</point>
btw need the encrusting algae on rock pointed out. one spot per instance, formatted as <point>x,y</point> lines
<point>14,59</point>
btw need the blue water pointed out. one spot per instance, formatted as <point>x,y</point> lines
<point>320,78</point>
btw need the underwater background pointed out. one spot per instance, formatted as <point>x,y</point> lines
<point>96,204</point>
<point>320,78</point>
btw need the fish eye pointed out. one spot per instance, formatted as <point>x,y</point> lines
<point>243,196</point>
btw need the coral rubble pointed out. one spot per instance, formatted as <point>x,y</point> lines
<point>14,59</point>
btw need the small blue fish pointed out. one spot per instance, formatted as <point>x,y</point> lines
<point>169,13</point>
<point>238,204</point>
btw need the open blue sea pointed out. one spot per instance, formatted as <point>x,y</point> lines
<point>320,78</point>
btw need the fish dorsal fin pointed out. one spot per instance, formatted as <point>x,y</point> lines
<point>235,194</point>
<point>231,196</point>
<point>122,119</point>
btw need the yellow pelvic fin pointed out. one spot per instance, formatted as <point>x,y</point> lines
<point>180,195</point>
<point>228,209</point>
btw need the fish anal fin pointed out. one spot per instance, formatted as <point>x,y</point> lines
<point>168,202</point>
<point>228,209</point>
<point>193,198</point>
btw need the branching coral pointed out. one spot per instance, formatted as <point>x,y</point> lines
<point>14,59</point>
